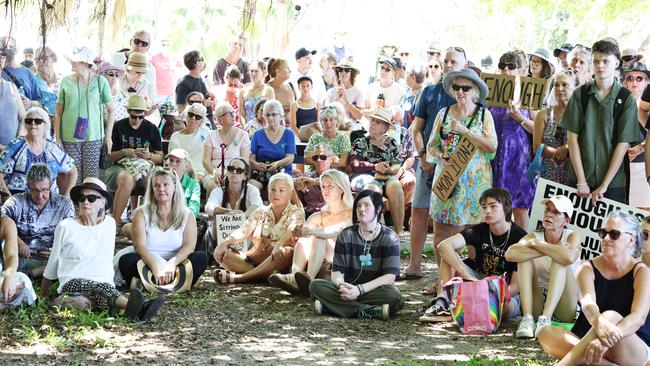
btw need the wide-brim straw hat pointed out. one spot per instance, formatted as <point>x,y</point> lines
<point>137,62</point>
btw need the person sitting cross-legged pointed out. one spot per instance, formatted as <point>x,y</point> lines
<point>365,265</point>
<point>486,245</point>
<point>546,269</point>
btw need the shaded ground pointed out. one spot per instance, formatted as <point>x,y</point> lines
<point>251,324</point>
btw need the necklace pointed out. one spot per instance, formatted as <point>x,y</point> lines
<point>500,246</point>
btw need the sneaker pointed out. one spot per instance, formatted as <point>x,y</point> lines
<point>134,305</point>
<point>542,321</point>
<point>526,327</point>
<point>375,312</point>
<point>303,280</point>
<point>437,312</point>
<point>318,307</point>
<point>285,282</point>
<point>150,308</point>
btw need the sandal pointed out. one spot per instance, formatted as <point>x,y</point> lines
<point>226,278</point>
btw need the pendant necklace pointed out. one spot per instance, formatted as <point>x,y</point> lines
<point>500,246</point>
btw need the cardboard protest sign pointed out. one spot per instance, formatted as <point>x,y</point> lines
<point>586,220</point>
<point>225,224</point>
<point>455,166</point>
<point>527,92</point>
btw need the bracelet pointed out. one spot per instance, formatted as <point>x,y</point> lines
<point>361,290</point>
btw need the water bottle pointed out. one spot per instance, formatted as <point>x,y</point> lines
<point>381,101</point>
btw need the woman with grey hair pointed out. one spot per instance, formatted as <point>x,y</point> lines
<point>82,258</point>
<point>270,230</point>
<point>273,148</point>
<point>614,326</point>
<point>35,147</point>
<point>338,141</point>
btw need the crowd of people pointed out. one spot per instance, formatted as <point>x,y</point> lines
<point>329,172</point>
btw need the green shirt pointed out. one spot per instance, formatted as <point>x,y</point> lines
<point>340,143</point>
<point>598,133</point>
<point>192,192</point>
<point>86,102</point>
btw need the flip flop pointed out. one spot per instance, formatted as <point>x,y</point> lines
<point>228,278</point>
<point>408,277</point>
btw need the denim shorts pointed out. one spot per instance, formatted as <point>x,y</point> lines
<point>422,193</point>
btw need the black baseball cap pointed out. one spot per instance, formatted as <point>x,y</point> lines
<point>567,47</point>
<point>302,52</point>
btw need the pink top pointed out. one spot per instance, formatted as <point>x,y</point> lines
<point>230,151</point>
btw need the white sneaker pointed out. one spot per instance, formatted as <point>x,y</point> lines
<point>526,327</point>
<point>542,321</point>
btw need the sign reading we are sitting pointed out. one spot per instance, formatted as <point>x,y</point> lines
<point>225,224</point>
<point>587,218</point>
<point>526,92</point>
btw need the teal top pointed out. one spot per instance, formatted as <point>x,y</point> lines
<point>192,192</point>
<point>83,101</point>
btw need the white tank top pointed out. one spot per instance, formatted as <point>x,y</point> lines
<point>165,243</point>
<point>543,264</point>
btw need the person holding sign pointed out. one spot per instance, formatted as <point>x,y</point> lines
<point>486,245</point>
<point>546,269</point>
<point>514,151</point>
<point>466,119</point>
<point>614,327</point>
<point>548,131</point>
<point>601,121</point>
<point>315,246</point>
<point>270,229</point>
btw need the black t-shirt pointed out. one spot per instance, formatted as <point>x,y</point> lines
<point>490,258</point>
<point>190,84</point>
<point>222,65</point>
<point>146,136</point>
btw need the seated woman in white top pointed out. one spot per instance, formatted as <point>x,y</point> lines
<point>82,254</point>
<point>547,261</point>
<point>15,287</point>
<point>237,195</point>
<point>315,248</point>
<point>192,138</point>
<point>164,233</point>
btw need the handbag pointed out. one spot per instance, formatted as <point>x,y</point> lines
<point>477,306</point>
<point>536,166</point>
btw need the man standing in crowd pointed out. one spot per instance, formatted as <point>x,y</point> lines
<point>192,82</point>
<point>36,213</point>
<point>236,49</point>
<point>433,52</point>
<point>432,99</point>
<point>304,62</point>
<point>166,69</point>
<point>22,77</point>
<point>562,54</point>
<point>601,120</point>
<point>140,42</point>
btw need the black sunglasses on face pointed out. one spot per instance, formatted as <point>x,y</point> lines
<point>37,121</point>
<point>111,74</point>
<point>91,198</point>
<point>136,116</point>
<point>404,53</point>
<point>433,53</point>
<point>613,234</point>
<point>627,58</point>
<point>465,88</point>
<point>194,115</point>
<point>434,66</point>
<point>131,89</point>
<point>140,42</point>
<point>343,69</point>
<point>236,170</point>
<point>510,66</point>
<point>320,157</point>
<point>646,234</point>
<point>190,102</point>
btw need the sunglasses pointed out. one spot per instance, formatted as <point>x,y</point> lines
<point>37,121</point>
<point>404,54</point>
<point>343,69</point>
<point>434,67</point>
<point>433,53</point>
<point>613,234</point>
<point>236,170</point>
<point>638,79</point>
<point>131,89</point>
<point>194,115</point>
<point>465,88</point>
<point>231,114</point>
<point>190,102</point>
<point>91,198</point>
<point>588,49</point>
<point>510,66</point>
<point>320,157</point>
<point>140,42</point>
<point>387,69</point>
<point>627,58</point>
<point>110,73</point>
<point>136,116</point>
<point>458,49</point>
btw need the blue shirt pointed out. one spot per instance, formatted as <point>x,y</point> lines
<point>266,151</point>
<point>36,228</point>
<point>26,79</point>
<point>432,100</point>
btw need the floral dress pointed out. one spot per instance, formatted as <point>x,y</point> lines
<point>462,207</point>
<point>554,136</point>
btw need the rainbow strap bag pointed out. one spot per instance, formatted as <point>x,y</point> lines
<point>477,307</point>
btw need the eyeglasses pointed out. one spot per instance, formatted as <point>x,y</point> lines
<point>231,114</point>
<point>131,89</point>
<point>40,191</point>
<point>465,88</point>
<point>387,69</point>
<point>343,69</point>
<point>510,66</point>
<point>136,116</point>
<point>434,66</point>
<point>140,42</point>
<point>111,74</point>
<point>236,170</point>
<point>638,79</point>
<point>613,234</point>
<point>194,116</point>
<point>433,53</point>
<point>320,157</point>
<point>272,115</point>
<point>190,102</point>
<point>37,121</point>
<point>91,198</point>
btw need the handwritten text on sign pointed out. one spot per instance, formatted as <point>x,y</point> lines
<point>455,166</point>
<point>586,219</point>
<point>225,224</point>
<point>526,92</point>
